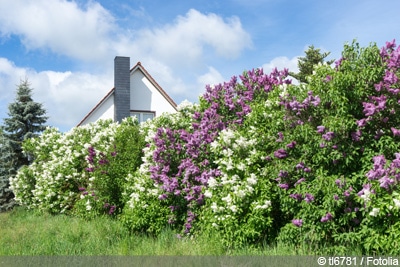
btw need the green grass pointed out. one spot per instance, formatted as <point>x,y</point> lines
<point>25,232</point>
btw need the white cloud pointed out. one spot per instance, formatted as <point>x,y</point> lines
<point>210,78</point>
<point>280,63</point>
<point>66,96</point>
<point>60,26</point>
<point>184,41</point>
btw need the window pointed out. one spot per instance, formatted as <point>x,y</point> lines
<point>142,116</point>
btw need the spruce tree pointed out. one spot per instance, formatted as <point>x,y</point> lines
<point>26,120</point>
<point>306,64</point>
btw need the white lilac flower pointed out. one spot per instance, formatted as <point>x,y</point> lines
<point>227,199</point>
<point>374,212</point>
<point>240,193</point>
<point>241,166</point>
<point>396,203</point>
<point>214,207</point>
<point>212,182</point>
<point>208,194</point>
<point>88,207</point>
<point>233,208</point>
<point>184,104</point>
<point>267,204</point>
<point>252,179</point>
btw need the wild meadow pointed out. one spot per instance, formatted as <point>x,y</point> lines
<point>258,166</point>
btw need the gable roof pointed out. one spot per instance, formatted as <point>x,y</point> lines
<point>148,76</point>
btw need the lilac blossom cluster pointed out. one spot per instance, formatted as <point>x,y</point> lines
<point>180,159</point>
<point>388,176</point>
<point>297,111</point>
<point>382,107</point>
<point>96,160</point>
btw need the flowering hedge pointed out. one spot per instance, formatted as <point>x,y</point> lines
<point>257,160</point>
<point>80,172</point>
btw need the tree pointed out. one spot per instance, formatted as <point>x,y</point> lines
<point>306,64</point>
<point>26,120</point>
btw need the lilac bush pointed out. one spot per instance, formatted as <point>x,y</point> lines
<point>54,181</point>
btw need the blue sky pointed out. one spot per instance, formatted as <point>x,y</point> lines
<point>66,48</point>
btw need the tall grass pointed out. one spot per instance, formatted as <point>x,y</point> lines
<point>25,232</point>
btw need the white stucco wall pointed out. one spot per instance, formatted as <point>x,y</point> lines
<point>104,111</point>
<point>144,95</point>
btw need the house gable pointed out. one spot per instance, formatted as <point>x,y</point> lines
<point>146,95</point>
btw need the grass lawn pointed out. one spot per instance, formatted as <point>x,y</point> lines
<point>25,232</point>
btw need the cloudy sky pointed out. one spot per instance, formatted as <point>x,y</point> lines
<point>66,49</point>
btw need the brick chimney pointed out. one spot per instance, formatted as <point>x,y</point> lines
<point>122,87</point>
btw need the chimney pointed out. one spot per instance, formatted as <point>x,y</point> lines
<point>122,87</point>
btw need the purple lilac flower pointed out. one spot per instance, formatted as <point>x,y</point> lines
<point>328,78</point>
<point>366,187</point>
<point>300,166</point>
<point>381,102</point>
<point>369,109</point>
<point>322,145</point>
<point>395,131</point>
<point>386,182</point>
<point>283,174</point>
<point>112,209</point>
<point>82,189</point>
<point>361,123</point>
<point>309,198</point>
<point>162,197</point>
<point>336,197</point>
<point>338,63</point>
<point>320,129</point>
<point>284,186</point>
<point>339,183</point>
<point>327,217</point>
<point>328,136</point>
<point>291,144</point>
<point>396,162</point>
<point>297,222</point>
<point>280,137</point>
<point>299,181</point>
<point>356,136</point>
<point>280,153</point>
<point>296,196</point>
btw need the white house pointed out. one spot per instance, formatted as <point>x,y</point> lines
<point>135,93</point>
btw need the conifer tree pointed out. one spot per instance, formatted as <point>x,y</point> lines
<point>306,64</point>
<point>26,119</point>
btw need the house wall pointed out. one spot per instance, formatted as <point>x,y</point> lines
<point>104,111</point>
<point>145,97</point>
